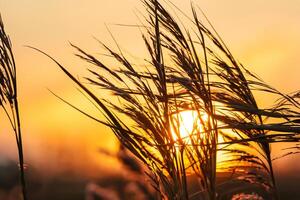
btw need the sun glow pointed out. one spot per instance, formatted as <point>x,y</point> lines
<point>188,123</point>
<point>188,126</point>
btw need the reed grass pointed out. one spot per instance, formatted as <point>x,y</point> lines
<point>231,88</point>
<point>202,76</point>
<point>9,97</point>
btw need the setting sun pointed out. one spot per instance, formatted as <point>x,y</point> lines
<point>187,123</point>
<point>163,100</point>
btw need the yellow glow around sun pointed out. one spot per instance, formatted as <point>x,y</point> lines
<point>187,123</point>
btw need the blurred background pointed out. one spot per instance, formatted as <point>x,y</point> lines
<point>65,149</point>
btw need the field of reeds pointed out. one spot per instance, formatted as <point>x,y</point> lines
<point>187,118</point>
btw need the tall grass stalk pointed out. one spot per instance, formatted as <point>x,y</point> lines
<point>189,69</point>
<point>230,87</point>
<point>9,97</point>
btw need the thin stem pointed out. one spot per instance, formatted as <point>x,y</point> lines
<point>20,149</point>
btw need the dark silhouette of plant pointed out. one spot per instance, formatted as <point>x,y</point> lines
<point>9,97</point>
<point>190,69</point>
<point>208,72</point>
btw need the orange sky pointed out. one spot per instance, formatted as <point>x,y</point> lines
<point>263,35</point>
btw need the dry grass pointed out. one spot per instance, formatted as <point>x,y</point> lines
<point>202,76</point>
<point>9,97</point>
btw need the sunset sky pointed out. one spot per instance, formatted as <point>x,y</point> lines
<point>263,35</point>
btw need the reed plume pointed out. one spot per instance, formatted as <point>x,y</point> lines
<point>9,97</point>
<point>189,69</point>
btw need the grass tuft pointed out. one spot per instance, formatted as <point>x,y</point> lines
<point>9,97</point>
<point>190,69</point>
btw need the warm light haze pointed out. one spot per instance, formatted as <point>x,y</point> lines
<point>262,35</point>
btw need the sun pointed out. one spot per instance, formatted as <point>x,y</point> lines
<point>186,124</point>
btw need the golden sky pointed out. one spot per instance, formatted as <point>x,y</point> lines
<point>263,35</point>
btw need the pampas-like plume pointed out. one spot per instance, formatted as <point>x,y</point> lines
<point>9,97</point>
<point>203,76</point>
